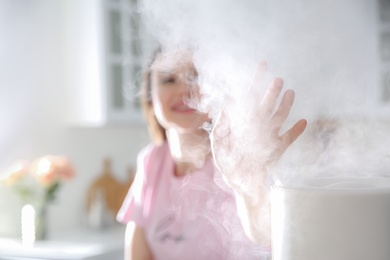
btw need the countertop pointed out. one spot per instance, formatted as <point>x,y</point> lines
<point>80,244</point>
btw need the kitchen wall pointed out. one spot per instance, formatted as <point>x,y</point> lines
<point>36,76</point>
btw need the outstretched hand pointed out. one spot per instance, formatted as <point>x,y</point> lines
<point>245,140</point>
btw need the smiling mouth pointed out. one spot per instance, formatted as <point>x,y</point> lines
<point>183,109</point>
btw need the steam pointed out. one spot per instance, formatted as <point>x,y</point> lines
<point>339,149</point>
<point>311,45</point>
<point>320,48</point>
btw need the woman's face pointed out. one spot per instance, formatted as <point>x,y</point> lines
<point>174,94</point>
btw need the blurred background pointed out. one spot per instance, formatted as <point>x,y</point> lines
<point>69,74</point>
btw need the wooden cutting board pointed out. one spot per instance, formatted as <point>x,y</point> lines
<point>113,191</point>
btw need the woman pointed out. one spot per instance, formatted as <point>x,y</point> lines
<point>179,206</point>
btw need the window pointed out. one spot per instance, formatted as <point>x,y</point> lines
<point>384,20</point>
<point>123,60</point>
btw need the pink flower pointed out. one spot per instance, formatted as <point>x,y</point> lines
<point>65,170</point>
<point>15,172</point>
<point>50,169</point>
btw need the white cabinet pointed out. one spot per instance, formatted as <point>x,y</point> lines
<point>102,53</point>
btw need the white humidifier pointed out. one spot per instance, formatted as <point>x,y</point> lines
<point>332,219</point>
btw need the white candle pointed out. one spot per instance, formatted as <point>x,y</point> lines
<point>28,225</point>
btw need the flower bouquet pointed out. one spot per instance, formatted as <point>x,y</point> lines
<point>37,183</point>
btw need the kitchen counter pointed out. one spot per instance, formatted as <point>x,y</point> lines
<point>81,244</point>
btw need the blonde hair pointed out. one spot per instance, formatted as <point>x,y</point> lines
<point>156,131</point>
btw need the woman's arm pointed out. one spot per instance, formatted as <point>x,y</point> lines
<point>246,141</point>
<point>136,247</point>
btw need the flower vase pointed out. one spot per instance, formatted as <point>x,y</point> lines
<point>33,223</point>
<point>41,223</point>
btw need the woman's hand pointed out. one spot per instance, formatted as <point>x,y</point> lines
<point>246,141</point>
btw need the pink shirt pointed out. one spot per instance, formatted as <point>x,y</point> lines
<point>189,217</point>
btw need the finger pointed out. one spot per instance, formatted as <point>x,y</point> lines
<point>283,110</point>
<point>255,86</point>
<point>293,133</point>
<point>260,73</point>
<point>267,105</point>
<point>220,135</point>
<point>220,122</point>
